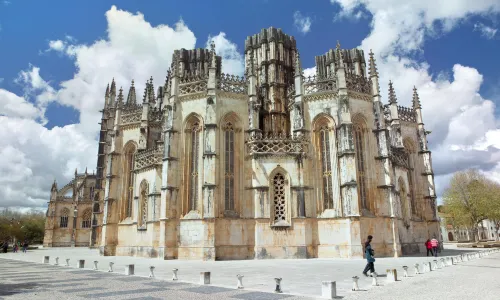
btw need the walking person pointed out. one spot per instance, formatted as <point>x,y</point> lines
<point>435,244</point>
<point>5,246</point>
<point>428,246</point>
<point>25,246</point>
<point>369,257</point>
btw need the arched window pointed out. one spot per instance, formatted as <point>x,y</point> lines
<point>229,161</point>
<point>279,188</point>
<point>403,196</point>
<point>86,219</point>
<point>143,203</point>
<point>326,149</point>
<point>192,162</point>
<point>64,218</point>
<point>410,152</point>
<point>128,167</point>
<point>359,145</point>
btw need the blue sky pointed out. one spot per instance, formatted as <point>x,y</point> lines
<point>449,52</point>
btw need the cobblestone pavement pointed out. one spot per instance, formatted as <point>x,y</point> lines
<point>468,280</point>
<point>301,278</point>
<point>27,280</point>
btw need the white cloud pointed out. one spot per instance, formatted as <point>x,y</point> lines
<point>486,31</point>
<point>57,45</point>
<point>32,155</point>
<point>232,60</point>
<point>302,23</point>
<point>459,117</point>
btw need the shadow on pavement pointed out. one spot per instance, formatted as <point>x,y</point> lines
<point>7,289</point>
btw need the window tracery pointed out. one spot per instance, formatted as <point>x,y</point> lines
<point>359,144</point>
<point>326,167</point>
<point>193,169</point>
<point>64,218</point>
<point>229,166</point>
<point>86,219</point>
<point>129,179</point>
<point>279,198</point>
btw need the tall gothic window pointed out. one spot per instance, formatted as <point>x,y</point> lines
<point>279,198</point>
<point>410,150</point>
<point>86,219</point>
<point>403,196</point>
<point>64,218</point>
<point>326,167</point>
<point>359,144</point>
<point>193,166</point>
<point>229,166</point>
<point>143,204</point>
<point>129,179</point>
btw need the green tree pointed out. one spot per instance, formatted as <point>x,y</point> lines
<point>467,199</point>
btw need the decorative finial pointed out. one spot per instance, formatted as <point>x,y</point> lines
<point>416,99</point>
<point>85,170</point>
<point>107,91</point>
<point>131,98</point>
<point>113,87</point>
<point>212,46</point>
<point>373,66</point>
<point>298,67</point>
<point>76,172</point>
<point>151,80</point>
<point>338,45</point>
<point>145,97</point>
<point>392,94</point>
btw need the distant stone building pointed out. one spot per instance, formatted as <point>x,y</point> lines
<point>69,213</point>
<point>486,229</point>
<point>270,165</point>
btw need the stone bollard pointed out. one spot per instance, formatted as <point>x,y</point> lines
<point>435,265</point>
<point>80,264</point>
<point>453,261</point>
<point>374,280</point>
<point>328,290</point>
<point>449,262</point>
<point>95,265</point>
<point>355,285</point>
<point>174,276</point>
<point>278,285</point>
<point>459,258</point>
<point>45,259</point>
<point>151,272</point>
<point>129,269</point>
<point>416,269</point>
<point>392,275</point>
<point>464,257</point>
<point>442,263</point>
<point>240,281</point>
<point>427,267</point>
<point>111,266</point>
<point>67,262</point>
<point>204,277</point>
<point>57,261</point>
<point>405,274</point>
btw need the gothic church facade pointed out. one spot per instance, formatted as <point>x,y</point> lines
<point>269,165</point>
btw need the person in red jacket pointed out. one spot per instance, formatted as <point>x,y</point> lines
<point>428,246</point>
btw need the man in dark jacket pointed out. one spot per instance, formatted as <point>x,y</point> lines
<point>369,257</point>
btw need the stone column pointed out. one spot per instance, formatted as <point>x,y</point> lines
<point>169,206</point>
<point>109,235</point>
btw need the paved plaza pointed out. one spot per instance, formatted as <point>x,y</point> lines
<point>24,276</point>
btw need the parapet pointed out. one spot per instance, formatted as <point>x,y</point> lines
<point>270,34</point>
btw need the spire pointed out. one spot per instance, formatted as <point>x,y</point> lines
<point>213,62</point>
<point>298,67</point>
<point>392,94</point>
<point>119,103</point>
<point>151,91</point>
<point>54,186</point>
<point>131,98</point>
<point>339,55</point>
<point>76,172</point>
<point>416,99</point>
<point>113,87</point>
<point>373,66</point>
<point>107,91</point>
<point>145,97</point>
